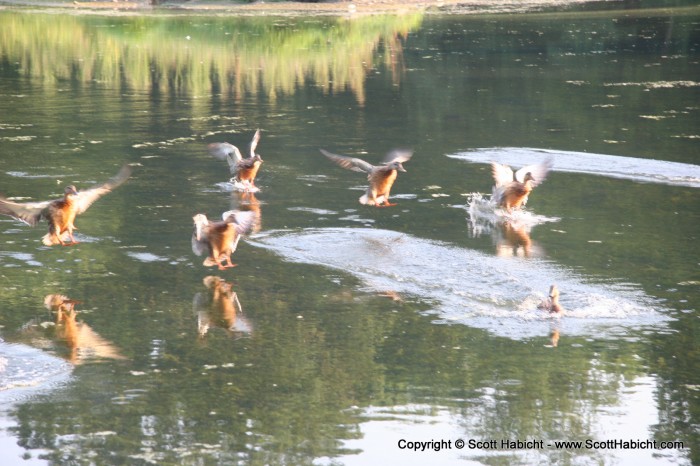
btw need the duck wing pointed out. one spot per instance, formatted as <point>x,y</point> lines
<point>27,212</point>
<point>254,143</point>
<point>200,234</point>
<point>397,155</point>
<point>245,163</point>
<point>200,246</point>
<point>538,171</point>
<point>224,151</point>
<point>350,163</point>
<point>502,174</point>
<point>243,221</point>
<point>85,198</point>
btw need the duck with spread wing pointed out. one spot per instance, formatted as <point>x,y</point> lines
<point>381,177</point>
<point>60,213</point>
<point>511,189</point>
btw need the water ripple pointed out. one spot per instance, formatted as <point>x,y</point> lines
<point>613,166</point>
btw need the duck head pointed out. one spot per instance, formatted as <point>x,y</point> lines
<point>554,293</point>
<point>396,166</point>
<point>70,191</point>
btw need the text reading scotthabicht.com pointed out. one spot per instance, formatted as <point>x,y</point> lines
<point>509,444</point>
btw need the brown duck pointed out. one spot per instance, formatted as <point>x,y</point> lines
<point>244,170</point>
<point>220,239</point>
<point>61,213</point>
<point>381,177</point>
<point>511,189</point>
<point>551,304</point>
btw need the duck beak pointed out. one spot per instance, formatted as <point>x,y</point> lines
<point>401,169</point>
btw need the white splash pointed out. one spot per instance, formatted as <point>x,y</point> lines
<point>485,216</point>
<point>234,185</point>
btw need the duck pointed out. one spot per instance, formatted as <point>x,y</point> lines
<point>551,304</point>
<point>243,169</point>
<point>220,239</point>
<point>381,177</point>
<point>512,189</point>
<point>60,213</point>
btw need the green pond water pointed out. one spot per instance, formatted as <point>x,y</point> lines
<point>347,333</point>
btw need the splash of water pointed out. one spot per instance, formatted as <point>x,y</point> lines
<point>485,215</point>
<point>234,185</point>
<point>468,287</point>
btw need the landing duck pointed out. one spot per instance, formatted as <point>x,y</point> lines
<point>551,303</point>
<point>512,189</point>
<point>220,239</point>
<point>243,169</point>
<point>60,213</point>
<point>381,177</point>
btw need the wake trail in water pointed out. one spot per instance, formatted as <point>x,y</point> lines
<point>613,166</point>
<point>25,371</point>
<point>463,286</point>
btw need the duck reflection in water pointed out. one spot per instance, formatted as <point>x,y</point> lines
<point>247,202</point>
<point>220,307</point>
<point>243,169</point>
<point>511,237</point>
<point>513,240</point>
<point>69,338</point>
<point>554,337</point>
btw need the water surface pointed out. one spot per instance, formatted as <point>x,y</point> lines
<point>344,328</point>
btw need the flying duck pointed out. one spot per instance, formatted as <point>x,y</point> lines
<point>243,169</point>
<point>381,177</point>
<point>60,213</point>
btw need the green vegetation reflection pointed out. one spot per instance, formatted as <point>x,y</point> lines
<point>232,56</point>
